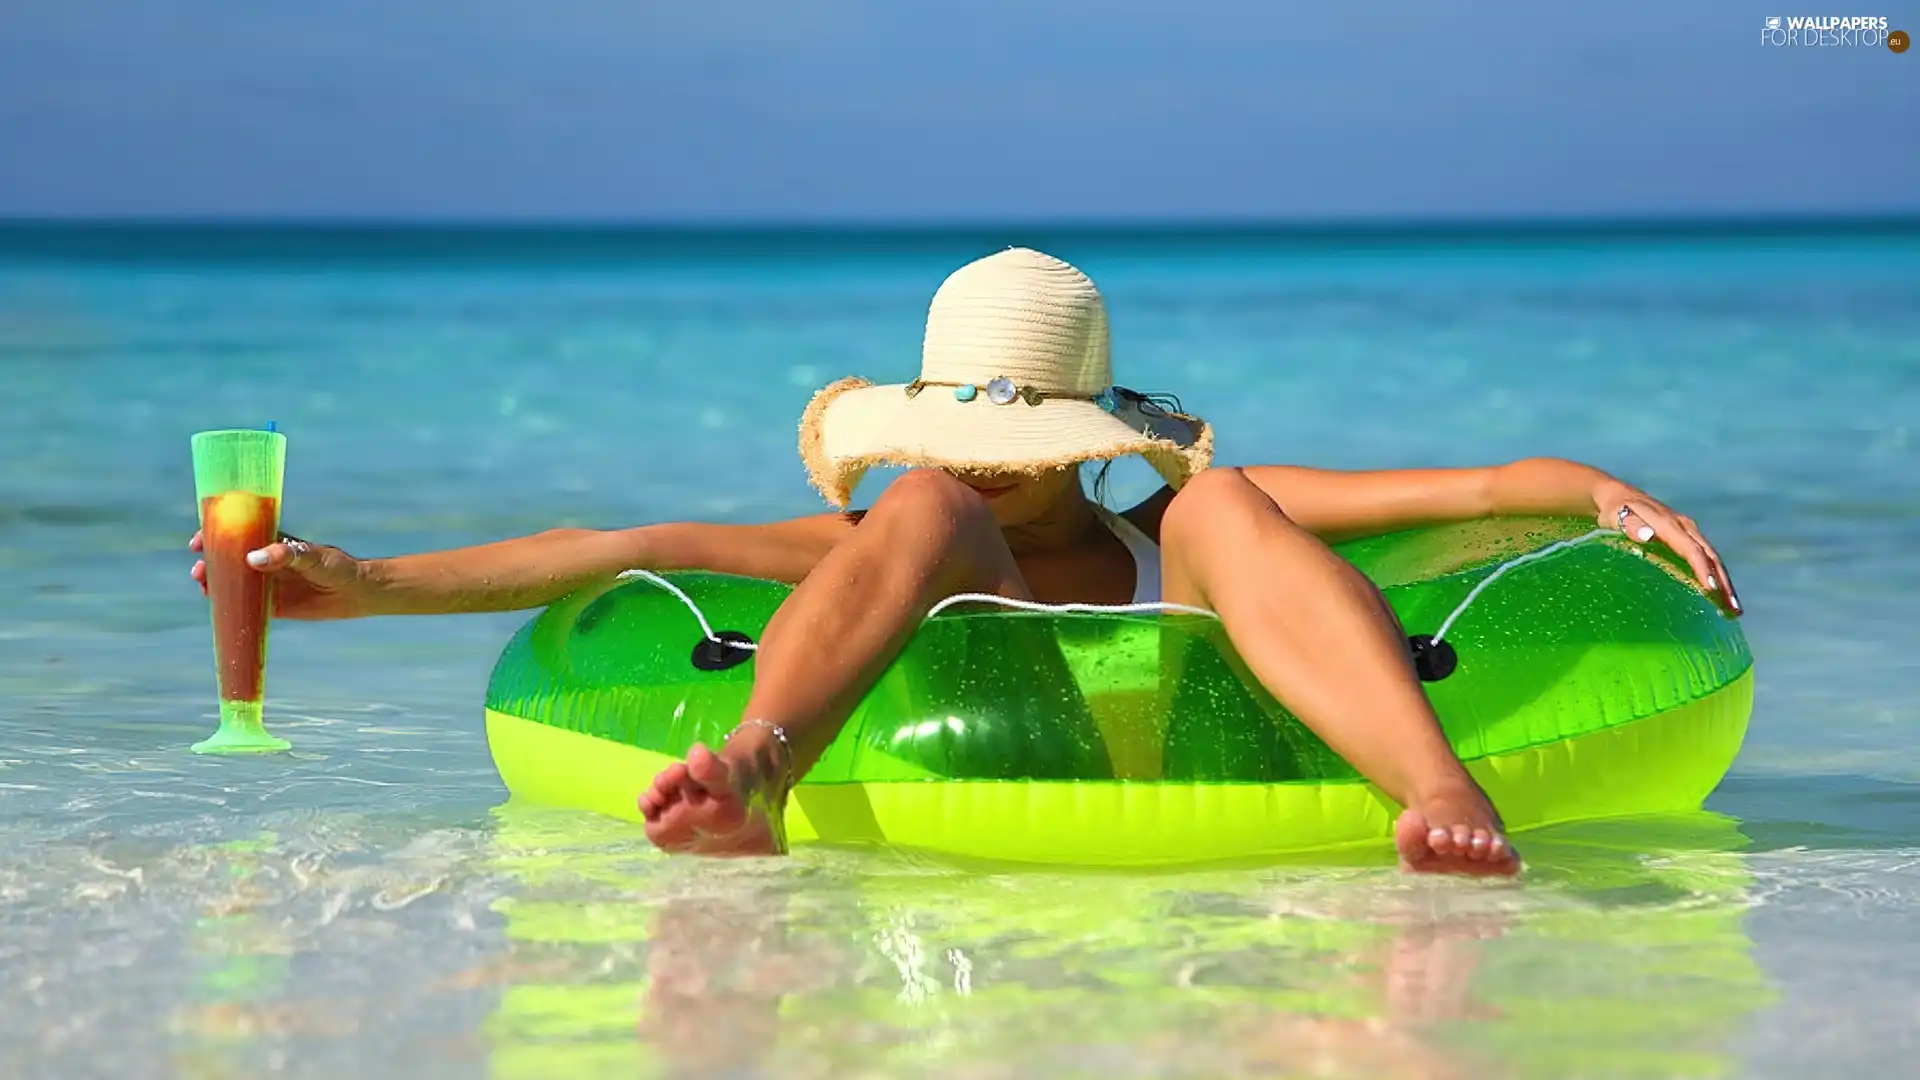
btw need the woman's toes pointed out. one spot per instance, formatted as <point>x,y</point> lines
<point>670,778</point>
<point>1411,835</point>
<point>1500,853</point>
<point>704,767</point>
<point>1459,849</point>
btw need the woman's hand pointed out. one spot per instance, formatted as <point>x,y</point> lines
<point>311,581</point>
<point>1645,519</point>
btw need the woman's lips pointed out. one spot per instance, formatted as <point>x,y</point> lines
<point>991,492</point>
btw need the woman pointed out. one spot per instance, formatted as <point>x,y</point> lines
<point>1015,393</point>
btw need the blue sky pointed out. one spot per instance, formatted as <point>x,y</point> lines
<point>900,109</point>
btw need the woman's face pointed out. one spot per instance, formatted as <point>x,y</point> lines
<point>1018,498</point>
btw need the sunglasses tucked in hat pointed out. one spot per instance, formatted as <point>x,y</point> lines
<point>1015,377</point>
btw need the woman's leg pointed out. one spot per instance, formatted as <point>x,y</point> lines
<point>1322,640</point>
<point>926,538</point>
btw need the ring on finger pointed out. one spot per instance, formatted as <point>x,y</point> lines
<point>298,548</point>
<point>1620,516</point>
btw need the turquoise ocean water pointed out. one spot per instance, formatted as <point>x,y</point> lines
<point>367,907</point>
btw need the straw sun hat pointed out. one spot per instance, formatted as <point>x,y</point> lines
<point>1015,377</point>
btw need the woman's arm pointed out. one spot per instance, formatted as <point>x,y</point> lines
<point>315,581</point>
<point>1338,505</point>
<point>535,570</point>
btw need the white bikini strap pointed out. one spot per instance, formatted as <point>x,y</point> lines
<point>1145,553</point>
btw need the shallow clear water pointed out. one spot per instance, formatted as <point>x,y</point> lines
<point>365,906</point>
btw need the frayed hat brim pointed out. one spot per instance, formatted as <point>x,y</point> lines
<point>852,425</point>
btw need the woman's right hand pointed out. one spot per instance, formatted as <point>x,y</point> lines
<point>311,581</point>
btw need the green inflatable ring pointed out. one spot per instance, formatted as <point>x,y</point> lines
<point>1589,678</point>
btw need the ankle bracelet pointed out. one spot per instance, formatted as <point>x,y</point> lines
<point>780,736</point>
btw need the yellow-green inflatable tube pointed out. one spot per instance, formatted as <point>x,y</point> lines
<point>1593,682</point>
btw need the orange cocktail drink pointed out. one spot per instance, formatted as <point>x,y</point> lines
<point>238,475</point>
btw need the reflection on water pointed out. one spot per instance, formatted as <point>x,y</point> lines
<point>524,942</point>
<point>1611,962</point>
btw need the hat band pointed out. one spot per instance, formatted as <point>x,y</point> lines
<point>1004,391</point>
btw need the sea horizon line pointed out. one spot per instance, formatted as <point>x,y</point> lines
<point>1661,220</point>
<point>262,237</point>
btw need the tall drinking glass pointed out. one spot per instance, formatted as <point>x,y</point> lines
<point>237,475</point>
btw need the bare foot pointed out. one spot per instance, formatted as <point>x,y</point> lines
<point>720,804</point>
<point>1454,832</point>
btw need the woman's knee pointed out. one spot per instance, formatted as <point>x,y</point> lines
<point>932,504</point>
<point>1213,501</point>
<point>932,521</point>
<point>930,492</point>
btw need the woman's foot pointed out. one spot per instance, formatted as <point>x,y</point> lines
<point>1454,831</point>
<point>730,803</point>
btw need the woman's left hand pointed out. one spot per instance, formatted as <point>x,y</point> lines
<point>1645,519</point>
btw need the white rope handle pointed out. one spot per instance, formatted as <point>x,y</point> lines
<point>1035,605</point>
<point>706,628</point>
<point>1519,560</point>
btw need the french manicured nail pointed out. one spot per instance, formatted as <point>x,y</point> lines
<point>1711,583</point>
<point>1734,600</point>
<point>257,558</point>
<point>1645,533</point>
